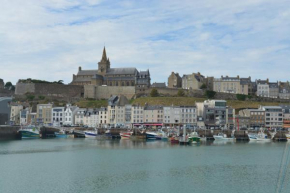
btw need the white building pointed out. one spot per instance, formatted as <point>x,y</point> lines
<point>171,116</point>
<point>57,116</point>
<point>79,117</point>
<point>263,89</point>
<point>103,117</point>
<point>137,115</point>
<point>273,116</point>
<point>24,116</point>
<point>91,118</point>
<point>69,114</point>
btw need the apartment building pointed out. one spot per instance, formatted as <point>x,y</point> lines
<point>58,116</point>
<point>193,81</point>
<point>231,85</point>
<point>273,116</point>
<point>153,116</point>
<point>43,114</point>
<point>256,117</point>
<point>69,114</point>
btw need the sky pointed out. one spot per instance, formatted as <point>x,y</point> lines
<point>50,39</point>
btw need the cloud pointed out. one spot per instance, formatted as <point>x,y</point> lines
<point>49,39</point>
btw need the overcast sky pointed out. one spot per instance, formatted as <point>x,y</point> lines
<point>49,39</point>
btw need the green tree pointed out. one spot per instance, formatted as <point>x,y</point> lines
<point>210,94</point>
<point>154,93</point>
<point>8,85</point>
<point>241,97</point>
<point>203,86</point>
<point>180,93</point>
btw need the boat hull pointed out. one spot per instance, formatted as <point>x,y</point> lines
<point>150,136</point>
<point>29,135</point>
<point>90,135</point>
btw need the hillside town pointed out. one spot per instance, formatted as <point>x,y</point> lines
<point>119,113</point>
<point>119,85</point>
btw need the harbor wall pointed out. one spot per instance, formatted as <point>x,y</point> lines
<point>9,132</point>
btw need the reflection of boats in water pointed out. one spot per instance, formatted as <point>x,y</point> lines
<point>29,132</point>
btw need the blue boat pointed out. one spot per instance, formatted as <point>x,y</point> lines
<point>29,132</point>
<point>151,135</point>
<point>60,135</point>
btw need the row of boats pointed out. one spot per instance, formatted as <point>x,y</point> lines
<point>193,137</point>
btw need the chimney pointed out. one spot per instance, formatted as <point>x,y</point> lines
<point>238,76</point>
<point>267,80</point>
<point>80,68</point>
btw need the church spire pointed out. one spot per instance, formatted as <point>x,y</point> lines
<point>104,57</point>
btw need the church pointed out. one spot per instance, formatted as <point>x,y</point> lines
<point>107,76</point>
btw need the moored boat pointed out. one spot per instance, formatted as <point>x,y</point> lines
<point>261,136</point>
<point>126,135</point>
<point>193,137</point>
<point>151,135</point>
<point>222,136</point>
<point>29,132</point>
<point>91,134</point>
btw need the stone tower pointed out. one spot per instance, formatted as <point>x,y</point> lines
<point>104,64</point>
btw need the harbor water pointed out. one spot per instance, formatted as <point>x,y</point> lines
<point>89,165</point>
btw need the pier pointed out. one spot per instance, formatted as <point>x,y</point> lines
<point>9,132</point>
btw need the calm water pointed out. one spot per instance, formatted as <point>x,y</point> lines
<point>86,165</point>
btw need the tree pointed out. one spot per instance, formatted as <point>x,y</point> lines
<point>210,94</point>
<point>8,85</point>
<point>180,93</point>
<point>203,86</point>
<point>154,93</point>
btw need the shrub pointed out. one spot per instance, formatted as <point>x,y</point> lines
<point>41,97</point>
<point>241,97</point>
<point>180,93</point>
<point>203,86</point>
<point>30,97</point>
<point>210,94</point>
<point>154,93</point>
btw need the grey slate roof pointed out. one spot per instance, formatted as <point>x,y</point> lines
<point>87,72</point>
<point>99,77</point>
<point>273,85</point>
<point>159,85</point>
<point>82,79</point>
<point>153,108</point>
<point>119,71</point>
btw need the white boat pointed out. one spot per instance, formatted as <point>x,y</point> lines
<point>224,137</point>
<point>29,132</point>
<point>151,135</point>
<point>288,136</point>
<point>261,136</point>
<point>91,134</point>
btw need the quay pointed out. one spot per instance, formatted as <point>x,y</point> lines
<point>9,132</point>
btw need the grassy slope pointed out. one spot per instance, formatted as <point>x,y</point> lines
<point>178,101</point>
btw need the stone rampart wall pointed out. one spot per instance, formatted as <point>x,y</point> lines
<point>105,92</point>
<point>52,90</point>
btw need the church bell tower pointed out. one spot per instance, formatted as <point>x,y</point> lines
<point>104,64</point>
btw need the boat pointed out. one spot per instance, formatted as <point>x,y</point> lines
<point>193,137</point>
<point>174,140</point>
<point>126,135</point>
<point>91,134</point>
<point>261,136</point>
<point>61,134</point>
<point>222,136</point>
<point>29,132</point>
<point>288,136</point>
<point>151,135</point>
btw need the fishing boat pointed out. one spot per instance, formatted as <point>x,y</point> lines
<point>126,135</point>
<point>193,137</point>
<point>29,132</point>
<point>261,136</point>
<point>222,136</point>
<point>91,134</point>
<point>174,140</point>
<point>151,135</point>
<point>61,134</point>
<point>288,136</point>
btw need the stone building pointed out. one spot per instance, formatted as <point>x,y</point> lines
<point>284,90</point>
<point>235,85</point>
<point>263,88</point>
<point>273,90</point>
<point>1,84</point>
<point>193,81</point>
<point>174,81</point>
<point>256,117</point>
<point>105,75</point>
